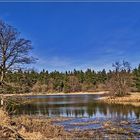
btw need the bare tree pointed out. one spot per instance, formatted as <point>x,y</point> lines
<point>121,80</point>
<point>14,51</point>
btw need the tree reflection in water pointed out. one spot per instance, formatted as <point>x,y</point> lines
<point>77,106</point>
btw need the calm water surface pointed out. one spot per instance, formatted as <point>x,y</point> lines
<point>77,106</point>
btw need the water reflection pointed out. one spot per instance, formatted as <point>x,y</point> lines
<point>77,106</point>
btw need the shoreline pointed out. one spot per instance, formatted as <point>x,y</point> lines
<point>132,99</point>
<point>25,127</point>
<point>59,93</point>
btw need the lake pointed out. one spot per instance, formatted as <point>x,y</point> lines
<point>81,109</point>
<point>77,106</point>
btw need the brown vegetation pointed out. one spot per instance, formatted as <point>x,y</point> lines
<point>121,80</point>
<point>27,128</point>
<point>133,98</point>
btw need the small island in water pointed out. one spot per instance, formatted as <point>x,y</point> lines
<point>71,100</point>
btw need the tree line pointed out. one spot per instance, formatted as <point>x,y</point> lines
<point>123,80</point>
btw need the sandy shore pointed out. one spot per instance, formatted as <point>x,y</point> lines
<point>62,93</point>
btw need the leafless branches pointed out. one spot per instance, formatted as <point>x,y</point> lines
<point>120,80</point>
<point>13,50</point>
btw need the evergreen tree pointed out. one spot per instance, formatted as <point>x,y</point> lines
<point>136,73</point>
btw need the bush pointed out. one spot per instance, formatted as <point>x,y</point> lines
<point>39,88</point>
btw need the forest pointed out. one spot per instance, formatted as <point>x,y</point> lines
<point>71,81</point>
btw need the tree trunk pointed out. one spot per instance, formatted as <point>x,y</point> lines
<point>2,77</point>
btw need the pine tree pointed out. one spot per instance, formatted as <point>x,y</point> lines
<point>136,73</point>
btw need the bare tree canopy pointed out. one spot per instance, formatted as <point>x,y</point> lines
<point>14,51</point>
<point>121,80</point>
<point>124,66</point>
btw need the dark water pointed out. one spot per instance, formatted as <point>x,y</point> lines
<point>84,112</point>
<point>77,106</point>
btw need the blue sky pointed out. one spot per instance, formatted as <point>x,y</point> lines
<point>78,35</point>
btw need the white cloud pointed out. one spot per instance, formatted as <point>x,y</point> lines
<point>54,62</point>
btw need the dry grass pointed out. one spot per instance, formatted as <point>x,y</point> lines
<point>6,129</point>
<point>27,128</point>
<point>4,118</point>
<point>133,98</point>
<point>44,127</point>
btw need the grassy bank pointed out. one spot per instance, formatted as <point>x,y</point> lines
<point>133,98</point>
<point>25,127</point>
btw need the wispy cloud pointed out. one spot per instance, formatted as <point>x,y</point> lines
<point>57,62</point>
<point>53,63</point>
